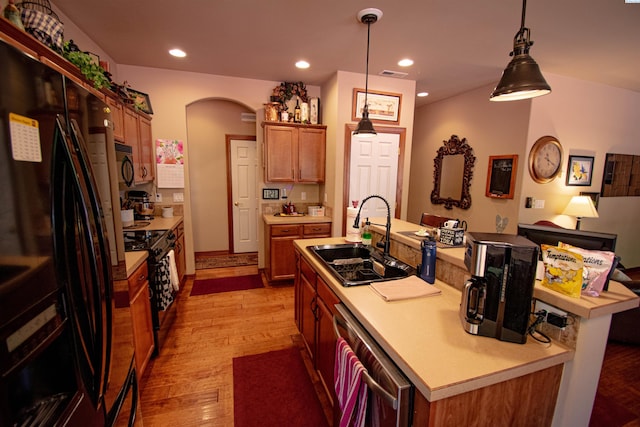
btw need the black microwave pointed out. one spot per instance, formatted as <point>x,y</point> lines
<point>124,158</point>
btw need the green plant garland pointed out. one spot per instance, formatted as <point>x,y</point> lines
<point>287,90</point>
<point>88,68</point>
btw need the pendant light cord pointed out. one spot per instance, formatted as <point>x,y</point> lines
<point>366,80</point>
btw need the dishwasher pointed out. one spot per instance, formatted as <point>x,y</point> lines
<point>390,393</point>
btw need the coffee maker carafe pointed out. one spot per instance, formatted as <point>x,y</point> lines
<point>496,300</point>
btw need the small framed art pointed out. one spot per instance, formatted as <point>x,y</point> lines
<point>579,170</point>
<point>501,176</point>
<point>383,106</point>
<point>140,100</point>
<point>270,193</point>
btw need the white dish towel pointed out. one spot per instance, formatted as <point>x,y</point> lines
<point>175,280</point>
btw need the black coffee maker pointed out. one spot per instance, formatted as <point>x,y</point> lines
<point>496,300</point>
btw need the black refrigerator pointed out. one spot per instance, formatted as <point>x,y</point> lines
<point>66,349</point>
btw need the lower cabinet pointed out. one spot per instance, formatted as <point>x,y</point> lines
<point>315,303</point>
<point>280,258</point>
<point>139,301</point>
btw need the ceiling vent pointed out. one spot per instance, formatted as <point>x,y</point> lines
<point>396,74</point>
<point>248,117</point>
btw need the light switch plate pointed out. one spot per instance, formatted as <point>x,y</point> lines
<point>178,197</point>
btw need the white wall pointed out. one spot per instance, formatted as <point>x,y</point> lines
<point>588,119</point>
<point>339,91</point>
<point>491,128</point>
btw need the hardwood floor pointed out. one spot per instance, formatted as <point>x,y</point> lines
<point>191,382</point>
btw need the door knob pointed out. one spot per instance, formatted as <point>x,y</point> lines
<point>236,204</point>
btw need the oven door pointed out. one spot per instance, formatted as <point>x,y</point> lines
<point>124,158</point>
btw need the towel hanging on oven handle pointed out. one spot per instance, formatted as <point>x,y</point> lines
<point>371,383</point>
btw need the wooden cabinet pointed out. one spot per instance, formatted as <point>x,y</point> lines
<point>294,153</point>
<point>314,304</point>
<point>117,118</point>
<point>141,317</point>
<point>137,133</point>
<point>280,258</point>
<point>179,252</point>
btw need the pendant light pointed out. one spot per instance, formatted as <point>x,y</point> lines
<point>365,127</point>
<point>522,78</point>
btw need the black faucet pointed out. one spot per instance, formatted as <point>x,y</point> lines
<point>387,236</point>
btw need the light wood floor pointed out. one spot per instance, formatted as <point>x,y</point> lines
<point>191,382</point>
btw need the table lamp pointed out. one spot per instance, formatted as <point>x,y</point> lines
<point>581,207</point>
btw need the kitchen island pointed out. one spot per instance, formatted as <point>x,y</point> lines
<point>453,370</point>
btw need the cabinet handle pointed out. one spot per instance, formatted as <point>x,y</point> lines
<point>141,278</point>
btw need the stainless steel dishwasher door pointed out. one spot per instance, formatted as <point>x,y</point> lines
<point>390,394</point>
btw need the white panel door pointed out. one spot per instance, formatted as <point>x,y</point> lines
<point>374,170</point>
<point>244,167</point>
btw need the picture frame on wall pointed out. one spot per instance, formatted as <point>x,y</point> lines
<point>501,176</point>
<point>384,107</point>
<point>579,170</point>
<point>140,100</point>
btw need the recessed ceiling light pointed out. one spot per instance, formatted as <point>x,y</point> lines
<point>405,62</point>
<point>423,94</point>
<point>178,53</point>
<point>302,64</point>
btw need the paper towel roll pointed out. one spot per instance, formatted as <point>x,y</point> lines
<point>353,234</point>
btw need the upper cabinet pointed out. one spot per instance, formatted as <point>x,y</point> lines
<point>117,118</point>
<point>137,133</point>
<point>294,152</point>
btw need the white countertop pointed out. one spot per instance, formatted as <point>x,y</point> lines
<point>618,298</point>
<point>271,219</point>
<point>425,338</point>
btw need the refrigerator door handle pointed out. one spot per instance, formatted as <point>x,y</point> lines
<point>71,177</point>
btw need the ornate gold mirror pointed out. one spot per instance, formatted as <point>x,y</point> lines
<point>453,170</point>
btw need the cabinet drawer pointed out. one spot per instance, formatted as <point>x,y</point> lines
<point>138,279</point>
<point>307,271</point>
<point>326,294</point>
<point>317,229</point>
<point>285,230</point>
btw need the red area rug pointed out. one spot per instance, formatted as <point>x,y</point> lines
<point>226,284</point>
<point>274,389</point>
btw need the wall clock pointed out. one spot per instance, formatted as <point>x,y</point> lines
<point>545,159</point>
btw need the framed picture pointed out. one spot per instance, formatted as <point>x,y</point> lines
<point>383,106</point>
<point>140,100</point>
<point>579,170</point>
<point>594,196</point>
<point>501,176</point>
<point>270,193</point>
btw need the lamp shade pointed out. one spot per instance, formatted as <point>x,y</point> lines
<point>581,207</point>
<point>521,79</point>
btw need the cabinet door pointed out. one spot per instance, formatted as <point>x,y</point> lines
<point>308,314</point>
<point>280,153</point>
<point>326,339</point>
<point>141,318</point>
<point>131,138</point>
<point>146,149</point>
<point>311,154</point>
<point>180,259</point>
<point>117,118</point>
<point>282,258</point>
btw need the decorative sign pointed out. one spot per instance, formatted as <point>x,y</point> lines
<point>25,138</point>
<point>170,163</point>
<point>501,177</point>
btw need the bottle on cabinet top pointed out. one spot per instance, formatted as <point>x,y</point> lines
<point>296,112</point>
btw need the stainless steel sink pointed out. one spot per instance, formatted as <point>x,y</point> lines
<point>356,264</point>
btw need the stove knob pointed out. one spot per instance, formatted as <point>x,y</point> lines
<point>156,252</point>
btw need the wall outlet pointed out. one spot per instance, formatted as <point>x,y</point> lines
<point>158,197</point>
<point>178,197</point>
<point>303,195</point>
<point>538,204</point>
<point>554,316</point>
